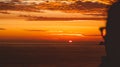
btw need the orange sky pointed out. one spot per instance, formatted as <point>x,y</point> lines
<point>51,30</point>
<point>14,28</point>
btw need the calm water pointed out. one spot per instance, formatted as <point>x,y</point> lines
<point>54,55</point>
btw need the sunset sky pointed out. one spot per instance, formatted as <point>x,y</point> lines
<point>103,1</point>
<point>14,28</point>
<point>18,29</point>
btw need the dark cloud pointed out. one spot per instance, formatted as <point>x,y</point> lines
<point>2,29</point>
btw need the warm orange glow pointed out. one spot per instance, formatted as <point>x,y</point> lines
<point>70,41</point>
<point>48,29</point>
<point>77,30</point>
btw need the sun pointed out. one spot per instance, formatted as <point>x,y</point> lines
<point>70,41</point>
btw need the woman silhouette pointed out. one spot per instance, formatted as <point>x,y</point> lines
<point>112,38</point>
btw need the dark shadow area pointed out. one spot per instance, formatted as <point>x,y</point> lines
<point>112,37</point>
<point>84,55</point>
